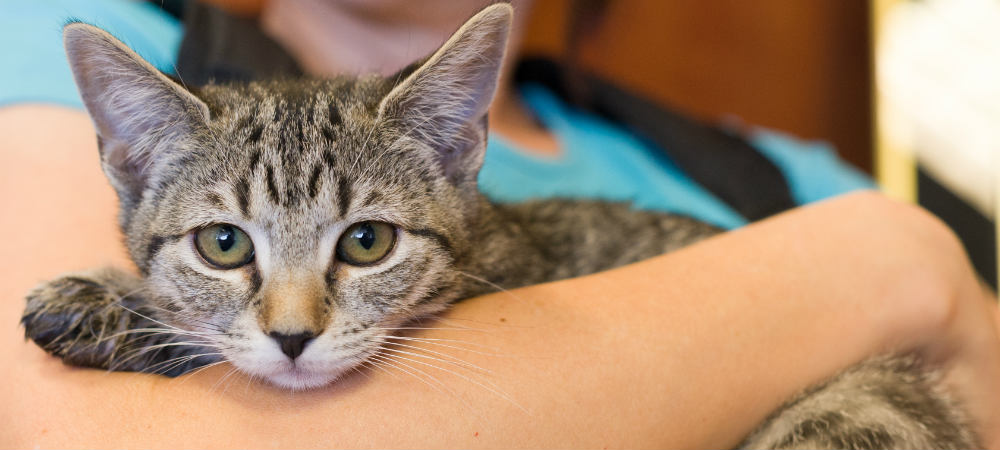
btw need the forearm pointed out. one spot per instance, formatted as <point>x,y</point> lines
<point>687,350</point>
<point>650,355</point>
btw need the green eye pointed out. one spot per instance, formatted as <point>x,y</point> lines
<point>366,243</point>
<point>224,246</point>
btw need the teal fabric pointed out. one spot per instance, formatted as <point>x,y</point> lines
<point>34,67</point>
<point>602,160</point>
<point>599,160</point>
<point>812,168</point>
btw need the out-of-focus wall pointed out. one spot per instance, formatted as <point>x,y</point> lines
<point>798,66</point>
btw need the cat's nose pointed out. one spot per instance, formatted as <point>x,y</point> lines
<point>292,344</point>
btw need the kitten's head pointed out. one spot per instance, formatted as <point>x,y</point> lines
<point>294,223</point>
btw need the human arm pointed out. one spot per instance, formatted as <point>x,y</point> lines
<point>690,349</point>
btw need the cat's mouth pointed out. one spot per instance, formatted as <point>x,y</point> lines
<point>305,372</point>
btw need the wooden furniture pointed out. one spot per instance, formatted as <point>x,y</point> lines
<point>797,66</point>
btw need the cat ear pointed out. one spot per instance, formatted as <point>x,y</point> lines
<point>139,113</point>
<point>444,102</point>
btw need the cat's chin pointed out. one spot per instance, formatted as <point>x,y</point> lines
<point>298,379</point>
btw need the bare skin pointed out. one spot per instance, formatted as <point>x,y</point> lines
<point>685,350</point>
<point>334,37</point>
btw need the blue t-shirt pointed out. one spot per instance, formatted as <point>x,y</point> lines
<point>602,160</point>
<point>598,159</point>
<point>34,67</point>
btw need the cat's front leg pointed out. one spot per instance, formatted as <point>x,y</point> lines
<point>101,318</point>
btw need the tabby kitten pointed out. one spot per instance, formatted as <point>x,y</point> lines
<point>285,226</point>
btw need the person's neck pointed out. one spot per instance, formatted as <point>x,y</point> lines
<point>329,38</point>
<point>515,122</point>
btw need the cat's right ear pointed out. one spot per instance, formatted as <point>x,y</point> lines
<point>444,101</point>
<point>139,113</point>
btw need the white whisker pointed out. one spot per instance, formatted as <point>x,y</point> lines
<point>496,391</point>
<point>438,341</point>
<point>491,284</point>
<point>173,363</point>
<point>448,359</point>
<point>432,328</point>
<point>438,385</point>
<point>223,378</point>
<point>188,375</point>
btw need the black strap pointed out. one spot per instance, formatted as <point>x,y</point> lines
<point>723,162</point>
<point>219,47</point>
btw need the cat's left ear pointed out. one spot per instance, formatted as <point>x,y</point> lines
<point>444,102</point>
<point>140,114</point>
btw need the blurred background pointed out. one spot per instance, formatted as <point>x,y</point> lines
<point>800,67</point>
<point>907,91</point>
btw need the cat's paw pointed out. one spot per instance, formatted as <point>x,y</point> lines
<point>77,317</point>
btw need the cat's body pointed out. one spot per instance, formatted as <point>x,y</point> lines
<point>287,226</point>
